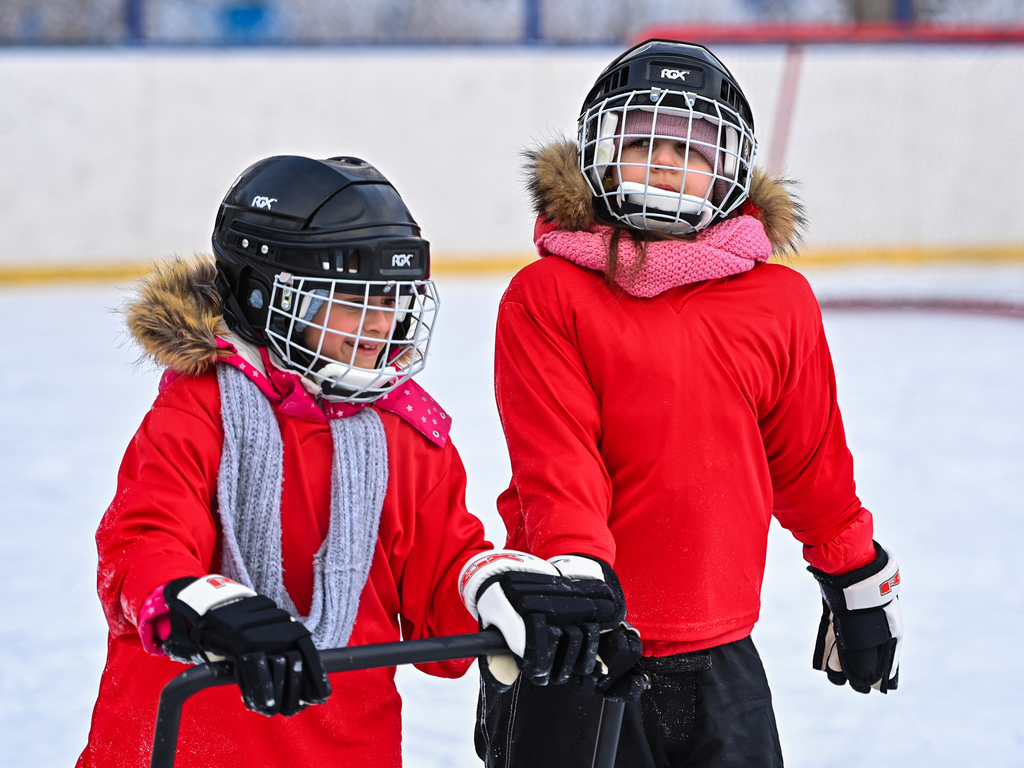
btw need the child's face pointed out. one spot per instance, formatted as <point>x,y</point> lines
<point>670,153</point>
<point>344,319</point>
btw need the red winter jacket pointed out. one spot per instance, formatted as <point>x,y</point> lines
<point>662,434</point>
<point>161,526</point>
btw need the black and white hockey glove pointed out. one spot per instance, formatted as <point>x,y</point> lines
<point>861,626</point>
<point>552,624</point>
<point>278,667</point>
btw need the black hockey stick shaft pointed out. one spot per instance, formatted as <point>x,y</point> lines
<point>608,734</point>
<point>202,676</point>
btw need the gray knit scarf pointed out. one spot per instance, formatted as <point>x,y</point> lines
<point>249,506</point>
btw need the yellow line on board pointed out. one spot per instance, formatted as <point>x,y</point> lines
<point>507,264</point>
<point>130,271</point>
<point>73,273</point>
<point>813,258</point>
<point>482,265</point>
<point>957,254</point>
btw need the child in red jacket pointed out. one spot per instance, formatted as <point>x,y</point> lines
<point>292,488</point>
<point>664,392</point>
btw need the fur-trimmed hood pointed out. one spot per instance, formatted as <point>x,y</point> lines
<point>560,192</point>
<point>175,315</point>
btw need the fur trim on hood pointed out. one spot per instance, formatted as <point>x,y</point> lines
<point>560,192</point>
<point>175,315</point>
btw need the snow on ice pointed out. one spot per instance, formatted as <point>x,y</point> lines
<point>934,416</point>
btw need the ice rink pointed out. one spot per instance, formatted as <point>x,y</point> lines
<point>934,414</point>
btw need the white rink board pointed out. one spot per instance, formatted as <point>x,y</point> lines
<point>123,155</point>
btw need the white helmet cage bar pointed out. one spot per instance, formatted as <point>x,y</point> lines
<point>645,207</point>
<point>393,318</point>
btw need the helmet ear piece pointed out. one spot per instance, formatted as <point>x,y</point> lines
<point>245,298</point>
<point>404,303</point>
<point>730,159</point>
<point>605,144</point>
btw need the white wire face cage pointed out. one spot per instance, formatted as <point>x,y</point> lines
<point>638,204</point>
<point>321,329</point>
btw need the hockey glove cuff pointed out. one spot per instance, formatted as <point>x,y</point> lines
<point>278,668</point>
<point>861,630</point>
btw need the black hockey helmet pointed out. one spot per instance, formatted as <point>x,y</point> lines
<point>677,84</point>
<point>338,218</point>
<point>294,234</point>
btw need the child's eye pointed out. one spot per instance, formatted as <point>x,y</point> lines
<point>347,307</point>
<point>640,143</point>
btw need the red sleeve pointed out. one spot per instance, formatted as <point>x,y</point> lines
<point>438,540</point>
<point>812,469</point>
<point>160,525</point>
<point>552,418</point>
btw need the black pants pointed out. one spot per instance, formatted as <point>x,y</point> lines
<point>696,713</point>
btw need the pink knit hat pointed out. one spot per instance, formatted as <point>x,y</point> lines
<point>702,135</point>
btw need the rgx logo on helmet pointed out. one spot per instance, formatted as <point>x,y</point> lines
<point>262,202</point>
<point>402,259</point>
<point>675,74</point>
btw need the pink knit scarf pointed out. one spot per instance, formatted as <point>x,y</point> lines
<point>728,248</point>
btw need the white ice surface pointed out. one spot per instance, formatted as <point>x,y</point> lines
<point>934,416</point>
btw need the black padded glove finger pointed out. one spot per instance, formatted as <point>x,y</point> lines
<point>278,667</point>
<point>541,645</point>
<point>256,682</point>
<point>609,609</point>
<point>292,692</point>
<point>620,650</point>
<point>567,656</point>
<point>586,662</point>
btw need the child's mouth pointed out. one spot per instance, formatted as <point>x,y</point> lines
<point>366,346</point>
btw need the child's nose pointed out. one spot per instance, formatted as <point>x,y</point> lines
<point>377,320</point>
<point>667,154</point>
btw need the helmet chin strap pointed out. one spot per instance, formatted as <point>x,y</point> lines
<point>689,210</point>
<point>338,381</point>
